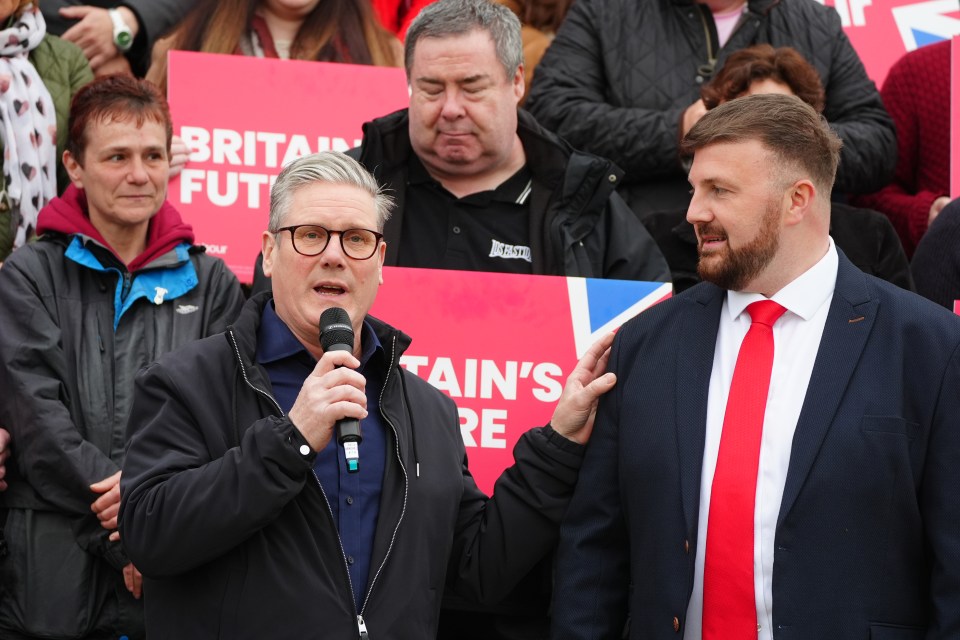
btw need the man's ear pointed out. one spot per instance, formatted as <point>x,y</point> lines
<point>382,253</point>
<point>519,88</point>
<point>74,170</point>
<point>268,245</point>
<point>801,196</point>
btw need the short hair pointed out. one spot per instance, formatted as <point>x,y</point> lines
<point>116,97</point>
<point>445,18</point>
<point>762,62</point>
<point>326,167</point>
<point>791,129</point>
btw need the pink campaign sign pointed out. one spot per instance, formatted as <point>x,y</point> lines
<point>244,118</point>
<point>502,345</point>
<point>883,30</point>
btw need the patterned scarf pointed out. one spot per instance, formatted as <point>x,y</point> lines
<point>28,124</point>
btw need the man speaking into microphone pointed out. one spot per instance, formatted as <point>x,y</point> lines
<point>241,509</point>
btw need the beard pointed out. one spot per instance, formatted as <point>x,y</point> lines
<point>734,269</point>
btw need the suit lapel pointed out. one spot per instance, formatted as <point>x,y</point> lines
<point>697,343</point>
<point>849,321</point>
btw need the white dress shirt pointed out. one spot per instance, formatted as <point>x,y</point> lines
<point>796,337</point>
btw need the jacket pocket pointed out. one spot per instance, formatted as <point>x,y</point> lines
<point>896,632</point>
<point>50,586</point>
<point>889,424</point>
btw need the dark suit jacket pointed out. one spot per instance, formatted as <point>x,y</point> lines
<point>868,537</point>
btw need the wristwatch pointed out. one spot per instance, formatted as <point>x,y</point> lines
<point>122,35</point>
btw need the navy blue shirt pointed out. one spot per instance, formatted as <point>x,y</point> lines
<point>354,498</point>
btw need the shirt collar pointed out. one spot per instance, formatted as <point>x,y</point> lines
<point>515,189</point>
<point>275,341</point>
<point>803,296</point>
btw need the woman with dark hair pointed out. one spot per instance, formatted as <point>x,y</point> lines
<point>763,69</point>
<point>329,31</point>
<point>39,73</point>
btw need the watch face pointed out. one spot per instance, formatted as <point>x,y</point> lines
<point>123,40</point>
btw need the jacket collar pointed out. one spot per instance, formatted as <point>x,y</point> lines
<point>386,147</point>
<point>69,215</point>
<point>247,324</point>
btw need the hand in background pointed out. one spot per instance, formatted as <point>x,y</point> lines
<point>93,32</point>
<point>936,208</point>
<point>692,116</point>
<point>118,65</point>
<point>107,506</point>
<point>179,154</point>
<point>133,580</point>
<point>4,454</point>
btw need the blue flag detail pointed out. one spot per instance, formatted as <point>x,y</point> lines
<point>598,306</point>
<point>923,38</point>
<point>606,299</point>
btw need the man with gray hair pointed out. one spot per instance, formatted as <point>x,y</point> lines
<point>481,186</point>
<point>242,509</point>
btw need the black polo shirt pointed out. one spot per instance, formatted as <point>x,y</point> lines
<point>486,231</point>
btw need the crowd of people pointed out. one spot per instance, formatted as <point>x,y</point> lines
<point>770,453</point>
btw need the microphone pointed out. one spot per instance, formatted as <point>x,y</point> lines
<point>336,334</point>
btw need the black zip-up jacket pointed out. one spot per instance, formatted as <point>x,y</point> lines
<point>579,226</point>
<point>234,535</point>
<point>67,367</point>
<point>620,73</point>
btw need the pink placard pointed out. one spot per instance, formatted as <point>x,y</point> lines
<point>244,118</point>
<point>883,30</point>
<point>502,345</point>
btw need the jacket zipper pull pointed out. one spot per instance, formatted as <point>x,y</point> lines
<point>362,626</point>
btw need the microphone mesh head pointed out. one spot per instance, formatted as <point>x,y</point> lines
<point>335,329</point>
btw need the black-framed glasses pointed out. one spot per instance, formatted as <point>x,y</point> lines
<point>312,240</point>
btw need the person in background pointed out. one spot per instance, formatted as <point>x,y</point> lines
<point>936,263</point>
<point>116,37</point>
<point>622,79</point>
<point>917,95</point>
<point>239,504</point>
<point>39,74</point>
<point>480,185</point>
<point>866,237</point>
<point>328,31</point>
<point>779,456</point>
<point>396,15</point>
<point>113,281</point>
<point>325,30</point>
<point>540,20</point>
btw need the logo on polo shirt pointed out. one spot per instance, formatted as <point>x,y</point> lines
<point>509,251</point>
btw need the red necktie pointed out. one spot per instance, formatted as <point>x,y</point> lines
<point>729,601</point>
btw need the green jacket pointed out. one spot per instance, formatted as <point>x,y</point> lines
<point>64,69</point>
